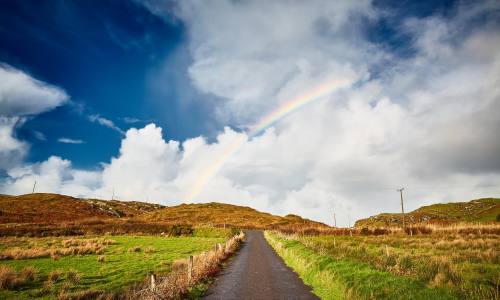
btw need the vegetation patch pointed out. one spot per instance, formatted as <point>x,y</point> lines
<point>334,278</point>
<point>90,274</point>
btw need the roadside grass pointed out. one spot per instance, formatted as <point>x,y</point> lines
<point>466,265</point>
<point>333,278</point>
<point>113,269</point>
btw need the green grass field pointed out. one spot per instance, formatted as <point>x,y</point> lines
<point>418,267</point>
<point>124,262</point>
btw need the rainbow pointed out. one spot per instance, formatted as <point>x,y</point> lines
<point>267,121</point>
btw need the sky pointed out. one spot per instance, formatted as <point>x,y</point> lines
<point>305,107</point>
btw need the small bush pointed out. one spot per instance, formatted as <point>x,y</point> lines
<point>365,231</point>
<point>134,249</point>
<point>150,249</point>
<point>389,261</point>
<point>7,278</point>
<point>28,273</point>
<point>54,276</point>
<point>380,231</point>
<point>73,276</point>
<point>406,262</point>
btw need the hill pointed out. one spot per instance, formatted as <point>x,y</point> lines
<point>220,214</point>
<point>50,208</point>
<point>54,208</point>
<point>480,210</point>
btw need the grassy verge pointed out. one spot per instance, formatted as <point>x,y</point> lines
<point>120,262</point>
<point>345,279</point>
<point>190,279</point>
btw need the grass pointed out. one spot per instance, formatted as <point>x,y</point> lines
<point>464,263</point>
<point>182,284</point>
<point>110,271</point>
<point>344,278</point>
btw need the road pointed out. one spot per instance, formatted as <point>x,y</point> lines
<point>257,272</point>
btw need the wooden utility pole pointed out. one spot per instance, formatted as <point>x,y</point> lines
<point>113,195</point>
<point>402,206</point>
<point>334,220</point>
<point>34,185</point>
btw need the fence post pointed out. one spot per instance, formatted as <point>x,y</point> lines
<point>190,268</point>
<point>334,244</point>
<point>153,283</point>
<point>386,251</point>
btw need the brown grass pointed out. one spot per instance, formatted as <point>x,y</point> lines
<point>10,280</point>
<point>73,276</point>
<point>134,249</point>
<point>68,247</point>
<point>54,276</point>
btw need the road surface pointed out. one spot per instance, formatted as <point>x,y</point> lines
<point>257,272</point>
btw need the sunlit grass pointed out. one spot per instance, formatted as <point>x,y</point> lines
<point>116,267</point>
<point>465,265</point>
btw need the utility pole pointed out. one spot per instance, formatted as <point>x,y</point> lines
<point>34,185</point>
<point>402,206</point>
<point>113,196</point>
<point>334,220</point>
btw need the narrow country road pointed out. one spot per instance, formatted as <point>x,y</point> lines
<point>257,272</point>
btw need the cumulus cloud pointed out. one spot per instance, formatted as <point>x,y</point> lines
<point>426,122</point>
<point>21,96</point>
<point>70,141</point>
<point>55,175</point>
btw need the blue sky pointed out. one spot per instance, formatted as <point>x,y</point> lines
<point>102,54</point>
<point>83,79</point>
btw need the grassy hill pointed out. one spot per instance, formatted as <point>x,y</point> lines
<point>53,208</point>
<point>480,210</point>
<point>220,214</point>
<point>49,208</point>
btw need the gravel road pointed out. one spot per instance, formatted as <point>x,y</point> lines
<point>257,272</point>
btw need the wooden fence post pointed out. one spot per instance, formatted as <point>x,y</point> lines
<point>153,283</point>
<point>190,268</point>
<point>386,251</point>
<point>334,244</point>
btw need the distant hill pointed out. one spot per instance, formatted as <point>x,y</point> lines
<point>220,214</point>
<point>53,208</point>
<point>480,210</point>
<point>49,208</point>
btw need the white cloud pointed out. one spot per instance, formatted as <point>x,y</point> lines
<point>12,150</point>
<point>105,122</point>
<point>21,96</point>
<point>39,136</point>
<point>55,175</point>
<point>70,141</point>
<point>131,120</point>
